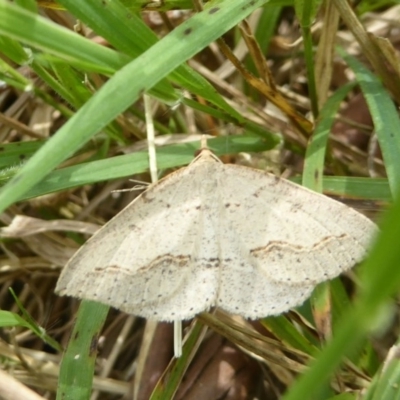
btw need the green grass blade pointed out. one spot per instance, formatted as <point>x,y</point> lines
<point>28,322</point>
<point>312,178</point>
<point>126,165</point>
<point>348,186</point>
<point>8,318</point>
<point>386,383</point>
<point>124,30</point>
<point>132,36</point>
<point>305,12</point>
<point>42,34</point>
<point>286,332</point>
<point>316,149</point>
<point>168,384</point>
<point>385,118</point>
<point>77,366</point>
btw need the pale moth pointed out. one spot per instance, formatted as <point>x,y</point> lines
<point>217,235</point>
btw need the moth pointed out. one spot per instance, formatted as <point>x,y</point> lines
<point>214,234</point>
